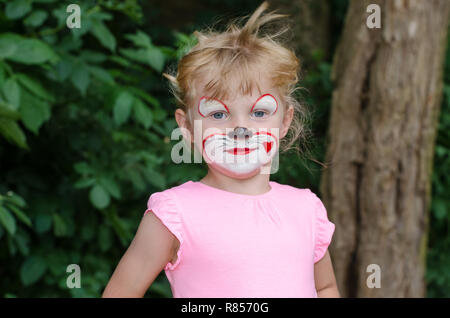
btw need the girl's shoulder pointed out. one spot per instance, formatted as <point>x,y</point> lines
<point>176,195</point>
<point>183,187</point>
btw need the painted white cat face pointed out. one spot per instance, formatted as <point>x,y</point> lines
<point>239,155</point>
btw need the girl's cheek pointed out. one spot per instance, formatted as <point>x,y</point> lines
<point>207,124</point>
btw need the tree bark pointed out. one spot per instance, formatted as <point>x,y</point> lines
<point>385,106</point>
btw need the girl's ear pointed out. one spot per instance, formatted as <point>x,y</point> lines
<point>183,122</point>
<point>287,120</point>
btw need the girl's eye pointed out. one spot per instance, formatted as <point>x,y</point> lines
<point>259,113</point>
<point>218,115</point>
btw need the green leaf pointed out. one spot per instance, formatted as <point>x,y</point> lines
<point>83,168</point>
<point>8,44</point>
<point>93,56</point>
<point>122,136</point>
<point>168,52</point>
<point>13,133</point>
<point>34,113</point>
<point>17,8</point>
<point>15,199</point>
<point>59,226</point>
<point>22,242</point>
<point>122,107</point>
<point>120,60</point>
<point>101,15</point>
<point>34,87</point>
<point>101,74</point>
<point>155,178</point>
<point>142,114</point>
<point>11,246</point>
<point>7,220</point>
<point>36,18</point>
<point>99,197</point>
<point>102,33</point>
<point>64,68</point>
<point>136,178</point>
<point>119,226</point>
<point>150,56</point>
<point>20,214</point>
<point>156,59</point>
<point>84,183</point>
<point>6,110</point>
<point>32,269</point>
<point>32,51</point>
<point>11,90</point>
<point>81,78</point>
<point>111,186</point>
<point>159,114</point>
<point>142,94</point>
<point>139,55</point>
<point>140,39</point>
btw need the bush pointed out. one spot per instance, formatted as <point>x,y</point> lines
<point>83,142</point>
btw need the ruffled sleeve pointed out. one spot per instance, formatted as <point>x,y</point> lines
<point>324,231</point>
<point>165,208</point>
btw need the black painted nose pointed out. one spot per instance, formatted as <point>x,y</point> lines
<point>240,132</point>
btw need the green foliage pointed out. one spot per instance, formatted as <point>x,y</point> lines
<point>438,257</point>
<point>83,143</point>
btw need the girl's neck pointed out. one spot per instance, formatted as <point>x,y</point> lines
<point>257,184</point>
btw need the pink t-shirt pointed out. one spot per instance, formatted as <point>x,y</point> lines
<point>243,246</point>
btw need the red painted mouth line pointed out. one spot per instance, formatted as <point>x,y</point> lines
<point>240,151</point>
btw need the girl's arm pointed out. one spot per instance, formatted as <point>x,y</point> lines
<point>151,249</point>
<point>324,278</point>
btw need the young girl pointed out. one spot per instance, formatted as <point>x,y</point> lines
<point>234,233</point>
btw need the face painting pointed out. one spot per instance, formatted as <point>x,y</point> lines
<point>206,106</point>
<point>266,102</point>
<point>241,152</point>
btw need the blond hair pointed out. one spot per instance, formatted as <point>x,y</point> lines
<point>236,56</point>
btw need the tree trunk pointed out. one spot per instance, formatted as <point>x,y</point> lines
<point>388,88</point>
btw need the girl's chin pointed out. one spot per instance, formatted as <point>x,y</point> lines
<point>229,172</point>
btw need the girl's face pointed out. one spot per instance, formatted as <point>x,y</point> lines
<point>240,135</point>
